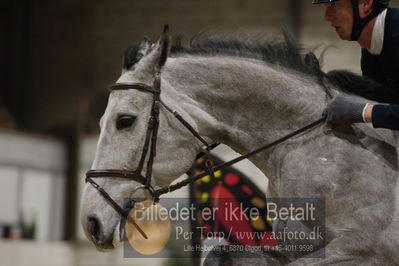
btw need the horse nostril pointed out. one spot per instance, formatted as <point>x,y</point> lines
<point>96,233</point>
<point>93,226</point>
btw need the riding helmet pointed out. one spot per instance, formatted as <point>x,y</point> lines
<point>358,22</point>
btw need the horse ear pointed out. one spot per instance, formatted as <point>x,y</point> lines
<point>156,58</point>
<point>135,53</point>
<point>164,43</point>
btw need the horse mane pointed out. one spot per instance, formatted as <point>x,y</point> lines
<point>363,86</point>
<point>286,53</point>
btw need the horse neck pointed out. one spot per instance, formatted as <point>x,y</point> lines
<point>243,103</point>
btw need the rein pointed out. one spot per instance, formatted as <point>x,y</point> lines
<point>159,192</point>
<point>150,145</point>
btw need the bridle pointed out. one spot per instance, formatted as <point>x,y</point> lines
<point>150,139</point>
<point>150,145</point>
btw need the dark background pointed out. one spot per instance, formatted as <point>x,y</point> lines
<point>56,56</point>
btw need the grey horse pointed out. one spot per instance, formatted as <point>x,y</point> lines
<point>244,93</point>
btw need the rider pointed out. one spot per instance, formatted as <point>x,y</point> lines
<point>375,27</point>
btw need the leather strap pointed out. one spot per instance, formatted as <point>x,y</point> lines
<point>133,86</point>
<point>126,174</point>
<point>116,207</point>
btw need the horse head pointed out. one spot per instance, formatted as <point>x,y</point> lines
<point>124,136</point>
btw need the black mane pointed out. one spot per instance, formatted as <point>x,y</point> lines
<point>363,86</point>
<point>286,53</point>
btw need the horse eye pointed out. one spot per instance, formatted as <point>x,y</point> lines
<point>125,121</point>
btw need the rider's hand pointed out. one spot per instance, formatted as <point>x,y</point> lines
<point>343,111</point>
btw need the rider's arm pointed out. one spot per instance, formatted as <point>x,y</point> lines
<point>343,110</point>
<point>385,116</point>
<point>368,113</point>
